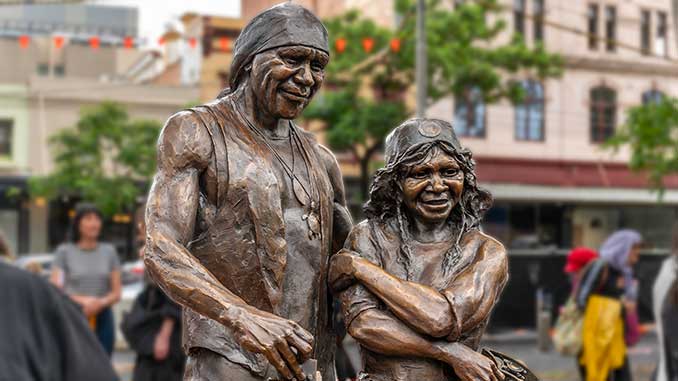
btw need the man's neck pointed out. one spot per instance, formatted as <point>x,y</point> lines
<point>266,123</point>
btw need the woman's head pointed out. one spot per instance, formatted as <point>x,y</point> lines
<point>87,222</point>
<point>428,175</point>
<point>622,248</point>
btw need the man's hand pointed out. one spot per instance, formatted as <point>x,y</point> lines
<point>341,271</point>
<point>284,343</point>
<point>470,365</point>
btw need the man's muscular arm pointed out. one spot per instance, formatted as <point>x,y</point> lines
<point>342,218</point>
<point>184,151</point>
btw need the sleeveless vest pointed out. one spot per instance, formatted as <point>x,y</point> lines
<point>242,241</point>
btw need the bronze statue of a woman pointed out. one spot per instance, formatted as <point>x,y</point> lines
<point>418,279</point>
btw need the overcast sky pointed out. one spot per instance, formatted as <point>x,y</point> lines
<point>154,14</point>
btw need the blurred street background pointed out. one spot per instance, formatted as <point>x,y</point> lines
<point>569,108</point>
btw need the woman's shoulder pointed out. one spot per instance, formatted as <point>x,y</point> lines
<point>107,248</point>
<point>66,247</point>
<point>484,242</point>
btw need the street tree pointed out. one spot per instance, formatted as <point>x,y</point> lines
<point>106,158</point>
<point>372,69</point>
<point>651,134</point>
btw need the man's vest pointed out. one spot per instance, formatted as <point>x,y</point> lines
<point>242,241</point>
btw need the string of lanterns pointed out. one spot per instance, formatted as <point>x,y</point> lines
<point>128,42</point>
<point>367,44</point>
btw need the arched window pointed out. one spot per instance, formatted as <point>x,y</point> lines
<point>652,96</point>
<point>603,113</point>
<point>530,112</point>
<point>469,113</point>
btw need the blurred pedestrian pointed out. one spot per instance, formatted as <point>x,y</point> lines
<point>153,330</point>
<point>89,272</point>
<point>43,335</point>
<point>577,260</point>
<point>567,335</point>
<point>607,293</point>
<point>6,255</point>
<point>665,306</point>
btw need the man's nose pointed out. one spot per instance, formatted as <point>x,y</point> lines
<point>304,76</point>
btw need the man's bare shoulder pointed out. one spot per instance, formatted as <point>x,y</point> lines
<point>184,142</point>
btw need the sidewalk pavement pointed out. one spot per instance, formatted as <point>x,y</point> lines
<point>518,343</point>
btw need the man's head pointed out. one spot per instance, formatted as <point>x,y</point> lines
<point>281,55</point>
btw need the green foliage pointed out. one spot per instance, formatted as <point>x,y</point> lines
<point>463,51</point>
<point>651,133</point>
<point>103,159</point>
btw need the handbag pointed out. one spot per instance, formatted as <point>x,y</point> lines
<point>631,327</point>
<point>140,326</point>
<point>567,336</point>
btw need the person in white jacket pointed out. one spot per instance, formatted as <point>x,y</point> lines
<point>665,308</point>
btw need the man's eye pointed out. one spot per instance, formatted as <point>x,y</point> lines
<point>316,66</point>
<point>291,61</point>
<point>451,172</point>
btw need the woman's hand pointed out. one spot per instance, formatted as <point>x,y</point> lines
<point>470,365</point>
<point>342,271</point>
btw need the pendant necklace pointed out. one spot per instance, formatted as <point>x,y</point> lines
<point>303,195</point>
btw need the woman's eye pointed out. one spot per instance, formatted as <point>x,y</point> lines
<point>419,175</point>
<point>451,172</point>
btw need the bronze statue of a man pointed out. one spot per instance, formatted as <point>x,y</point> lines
<point>417,279</point>
<point>246,209</point>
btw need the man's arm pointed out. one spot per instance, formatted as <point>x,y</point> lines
<point>466,303</point>
<point>342,221</point>
<point>184,151</point>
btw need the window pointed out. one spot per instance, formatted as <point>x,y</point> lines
<point>610,28</point>
<point>538,20</point>
<point>529,113</point>
<point>660,40</point>
<point>645,25</point>
<point>593,26</point>
<point>652,96</point>
<point>469,114</point>
<point>6,137</point>
<point>603,113</point>
<point>43,69</point>
<point>519,16</point>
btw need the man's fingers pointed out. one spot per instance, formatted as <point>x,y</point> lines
<point>303,334</point>
<point>274,358</point>
<point>303,348</point>
<point>290,359</point>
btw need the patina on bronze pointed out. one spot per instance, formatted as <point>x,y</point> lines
<point>418,279</point>
<point>246,209</point>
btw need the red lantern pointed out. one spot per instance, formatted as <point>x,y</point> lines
<point>368,44</point>
<point>223,44</point>
<point>128,42</point>
<point>161,41</point>
<point>24,41</point>
<point>395,45</point>
<point>340,45</point>
<point>193,42</point>
<point>94,42</point>
<point>58,41</point>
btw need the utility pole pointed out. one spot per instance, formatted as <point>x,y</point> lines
<point>421,77</point>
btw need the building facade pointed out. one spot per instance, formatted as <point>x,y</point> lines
<point>57,60</point>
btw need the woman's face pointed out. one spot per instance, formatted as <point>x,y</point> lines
<point>634,255</point>
<point>432,189</point>
<point>90,226</point>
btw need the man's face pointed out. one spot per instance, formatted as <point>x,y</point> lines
<point>432,189</point>
<point>285,79</point>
